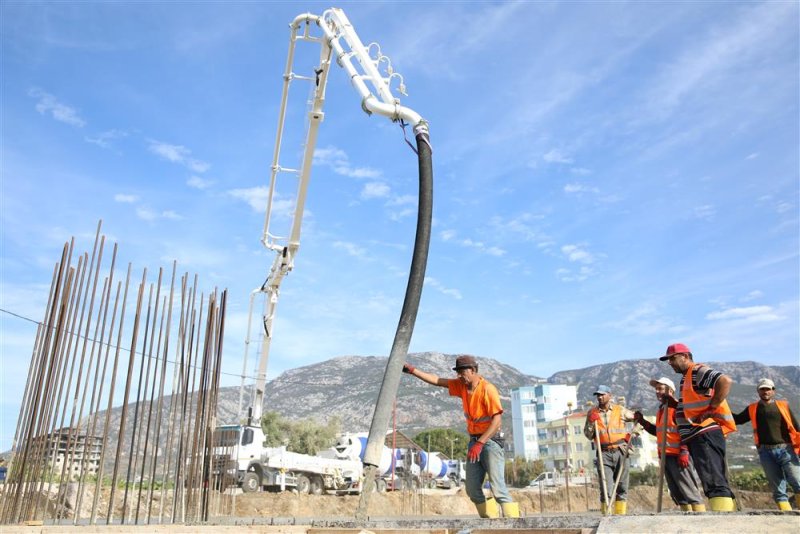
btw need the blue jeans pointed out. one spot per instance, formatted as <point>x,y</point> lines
<point>781,465</point>
<point>492,464</point>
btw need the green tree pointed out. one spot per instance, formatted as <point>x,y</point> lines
<point>449,442</point>
<point>644,477</point>
<point>305,436</point>
<point>520,472</point>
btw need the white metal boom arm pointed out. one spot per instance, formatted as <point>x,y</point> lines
<point>337,37</point>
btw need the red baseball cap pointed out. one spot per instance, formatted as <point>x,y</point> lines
<point>675,348</point>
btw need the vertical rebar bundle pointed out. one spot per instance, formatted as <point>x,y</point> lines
<point>84,450</point>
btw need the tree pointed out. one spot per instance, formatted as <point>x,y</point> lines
<point>449,442</point>
<point>520,472</point>
<point>305,436</point>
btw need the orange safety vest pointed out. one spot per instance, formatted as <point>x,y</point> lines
<point>614,433</point>
<point>480,407</point>
<point>673,438</point>
<point>694,404</point>
<point>783,408</point>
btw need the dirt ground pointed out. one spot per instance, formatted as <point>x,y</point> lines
<point>641,499</point>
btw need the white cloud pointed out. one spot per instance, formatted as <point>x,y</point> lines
<point>148,214</point>
<point>351,248</point>
<point>580,171</point>
<point>435,284</point>
<point>575,253</point>
<point>480,246</point>
<point>375,190</point>
<point>753,295</point>
<point>556,156</point>
<point>104,139</point>
<point>256,197</point>
<point>647,320</point>
<point>337,159</point>
<point>750,314</point>
<point>580,188</point>
<point>568,275</point>
<point>178,154</point>
<point>125,199</point>
<point>754,155</point>
<point>199,183</point>
<point>402,200</point>
<point>706,211</point>
<point>447,235</point>
<point>61,112</point>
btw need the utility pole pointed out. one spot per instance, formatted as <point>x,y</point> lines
<point>566,438</point>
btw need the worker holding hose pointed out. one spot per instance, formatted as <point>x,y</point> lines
<point>483,411</point>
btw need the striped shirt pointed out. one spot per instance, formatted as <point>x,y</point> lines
<point>703,381</point>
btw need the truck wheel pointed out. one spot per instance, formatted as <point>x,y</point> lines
<point>303,484</point>
<point>316,486</point>
<point>251,482</point>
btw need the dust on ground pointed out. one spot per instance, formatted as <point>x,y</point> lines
<point>641,499</point>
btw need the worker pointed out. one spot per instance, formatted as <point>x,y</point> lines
<point>485,454</point>
<point>682,479</point>
<point>704,419</point>
<point>610,420</point>
<point>775,431</point>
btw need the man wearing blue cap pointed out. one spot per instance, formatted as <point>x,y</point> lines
<point>606,423</point>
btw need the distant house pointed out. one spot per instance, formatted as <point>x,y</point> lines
<point>79,451</point>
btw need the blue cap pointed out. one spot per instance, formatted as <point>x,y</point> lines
<point>602,390</point>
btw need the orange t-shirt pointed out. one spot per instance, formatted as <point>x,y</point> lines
<point>479,406</point>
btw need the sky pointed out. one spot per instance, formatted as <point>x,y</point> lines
<point>609,177</point>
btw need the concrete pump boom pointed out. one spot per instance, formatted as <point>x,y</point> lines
<point>338,38</point>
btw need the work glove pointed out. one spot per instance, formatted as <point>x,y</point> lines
<point>594,416</point>
<point>474,453</point>
<point>683,457</point>
<point>638,417</point>
<point>408,368</point>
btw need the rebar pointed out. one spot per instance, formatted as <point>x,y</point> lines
<point>60,443</point>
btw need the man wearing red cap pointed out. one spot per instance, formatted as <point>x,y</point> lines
<point>484,413</point>
<point>704,419</point>
<point>777,437</point>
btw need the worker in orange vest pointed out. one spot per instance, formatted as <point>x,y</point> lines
<point>775,432</point>
<point>704,419</point>
<point>614,439</point>
<point>682,479</point>
<point>484,414</point>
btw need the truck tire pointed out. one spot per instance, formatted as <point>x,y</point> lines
<point>303,484</point>
<point>316,486</point>
<point>251,482</point>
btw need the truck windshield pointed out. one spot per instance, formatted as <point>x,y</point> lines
<point>226,437</point>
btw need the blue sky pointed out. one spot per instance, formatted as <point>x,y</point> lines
<point>609,177</point>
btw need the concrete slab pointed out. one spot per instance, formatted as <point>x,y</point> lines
<point>711,523</point>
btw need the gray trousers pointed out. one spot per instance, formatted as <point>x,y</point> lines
<point>614,462</point>
<point>683,484</point>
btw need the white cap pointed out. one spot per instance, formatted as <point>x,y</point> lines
<point>665,381</point>
<point>766,383</point>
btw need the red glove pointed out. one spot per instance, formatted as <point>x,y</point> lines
<point>683,457</point>
<point>474,453</point>
<point>594,416</point>
<point>408,368</point>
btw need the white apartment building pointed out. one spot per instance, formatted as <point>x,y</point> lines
<point>531,405</point>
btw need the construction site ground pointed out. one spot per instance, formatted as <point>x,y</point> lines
<point>451,512</point>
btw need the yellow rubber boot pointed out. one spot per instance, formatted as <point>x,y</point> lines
<point>700,507</point>
<point>686,508</point>
<point>620,508</point>
<point>488,509</point>
<point>721,504</point>
<point>784,506</point>
<point>510,509</point>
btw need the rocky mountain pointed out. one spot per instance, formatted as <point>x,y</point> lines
<point>347,388</point>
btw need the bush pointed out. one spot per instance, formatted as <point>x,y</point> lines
<point>754,480</point>
<point>646,477</point>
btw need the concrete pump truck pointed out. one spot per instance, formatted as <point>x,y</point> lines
<point>239,449</point>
